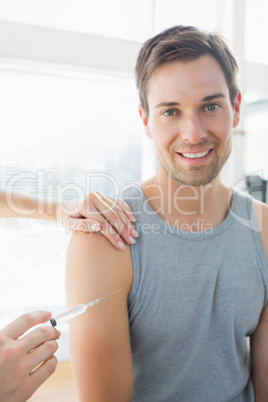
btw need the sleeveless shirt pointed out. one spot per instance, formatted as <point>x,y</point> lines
<point>195,300</point>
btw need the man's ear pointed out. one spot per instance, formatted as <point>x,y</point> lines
<point>144,118</point>
<point>237,104</point>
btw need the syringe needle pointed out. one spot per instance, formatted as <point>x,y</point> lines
<point>90,304</point>
<point>75,311</point>
<point>110,294</point>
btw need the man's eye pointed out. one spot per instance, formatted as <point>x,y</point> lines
<point>170,112</point>
<point>212,107</point>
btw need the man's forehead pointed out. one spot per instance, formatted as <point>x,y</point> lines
<point>205,68</point>
<point>200,78</point>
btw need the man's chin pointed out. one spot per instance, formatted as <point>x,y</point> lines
<point>194,179</point>
<point>194,183</point>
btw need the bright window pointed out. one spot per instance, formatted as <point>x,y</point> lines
<point>256,31</point>
<point>191,12</point>
<point>63,136</point>
<point>256,141</point>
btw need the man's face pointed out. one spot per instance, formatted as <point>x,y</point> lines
<point>191,119</point>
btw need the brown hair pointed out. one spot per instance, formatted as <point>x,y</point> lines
<point>184,43</point>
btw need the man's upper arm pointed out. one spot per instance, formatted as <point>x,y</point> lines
<point>259,339</point>
<point>99,338</point>
<point>261,210</point>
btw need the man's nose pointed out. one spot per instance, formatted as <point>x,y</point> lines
<point>191,129</point>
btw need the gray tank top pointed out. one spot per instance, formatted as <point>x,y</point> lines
<point>195,300</point>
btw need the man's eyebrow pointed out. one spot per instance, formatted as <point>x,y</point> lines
<point>214,96</point>
<point>167,104</point>
<point>205,99</point>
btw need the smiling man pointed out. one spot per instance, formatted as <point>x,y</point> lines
<point>194,285</point>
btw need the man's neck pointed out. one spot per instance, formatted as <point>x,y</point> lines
<point>197,207</point>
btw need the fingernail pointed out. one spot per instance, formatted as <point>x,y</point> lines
<point>95,227</point>
<point>59,333</point>
<point>131,240</point>
<point>121,244</point>
<point>133,232</point>
<point>131,216</point>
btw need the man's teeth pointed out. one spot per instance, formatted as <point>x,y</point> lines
<point>197,155</point>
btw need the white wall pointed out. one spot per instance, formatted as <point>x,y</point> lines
<point>256,77</point>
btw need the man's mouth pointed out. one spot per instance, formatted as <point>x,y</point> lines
<point>195,155</point>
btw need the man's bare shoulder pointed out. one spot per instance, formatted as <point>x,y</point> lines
<point>93,259</point>
<point>261,210</point>
<point>97,247</point>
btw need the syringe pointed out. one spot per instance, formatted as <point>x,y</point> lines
<point>73,312</point>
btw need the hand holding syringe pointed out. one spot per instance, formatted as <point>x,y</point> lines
<point>73,312</point>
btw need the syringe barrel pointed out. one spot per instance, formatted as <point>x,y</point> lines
<point>73,312</point>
